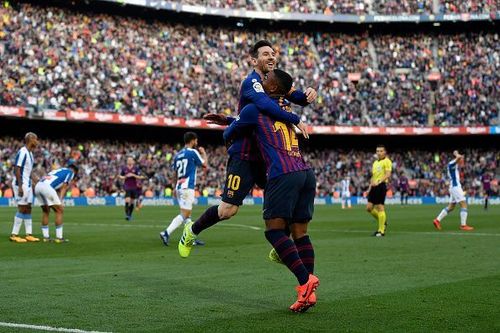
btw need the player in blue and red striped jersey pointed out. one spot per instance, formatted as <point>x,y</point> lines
<point>242,173</point>
<point>290,189</point>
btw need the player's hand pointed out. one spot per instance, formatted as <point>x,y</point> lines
<point>311,95</point>
<point>303,128</point>
<point>20,192</point>
<point>201,150</point>
<point>216,118</point>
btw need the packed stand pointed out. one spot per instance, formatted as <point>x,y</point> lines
<point>100,163</point>
<point>468,6</point>
<point>66,60</point>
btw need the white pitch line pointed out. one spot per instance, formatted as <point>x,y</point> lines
<point>465,234</point>
<point>46,328</point>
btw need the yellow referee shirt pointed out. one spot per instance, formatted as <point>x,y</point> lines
<point>380,168</point>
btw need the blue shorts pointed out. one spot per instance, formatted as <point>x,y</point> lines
<point>241,177</point>
<point>291,197</point>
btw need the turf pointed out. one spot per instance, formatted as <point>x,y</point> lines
<point>117,276</point>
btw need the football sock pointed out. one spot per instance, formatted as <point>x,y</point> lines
<point>126,208</point>
<point>59,231</point>
<point>486,203</point>
<point>374,213</point>
<point>206,220</point>
<point>287,251</point>
<point>381,221</point>
<point>130,209</point>
<point>28,224</point>
<point>349,203</point>
<point>463,216</point>
<point>45,231</point>
<point>18,220</point>
<point>443,214</point>
<point>176,222</point>
<point>306,252</point>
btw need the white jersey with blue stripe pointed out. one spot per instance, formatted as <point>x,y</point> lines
<point>25,161</point>
<point>453,174</point>
<point>345,184</point>
<point>58,177</point>
<point>185,163</point>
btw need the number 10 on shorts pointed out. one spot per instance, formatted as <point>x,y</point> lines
<point>233,182</point>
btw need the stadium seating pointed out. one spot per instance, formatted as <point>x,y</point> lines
<point>57,59</point>
<point>100,163</point>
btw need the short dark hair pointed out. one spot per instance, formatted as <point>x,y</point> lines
<point>254,52</point>
<point>190,136</point>
<point>285,81</point>
<point>381,146</point>
<point>74,167</point>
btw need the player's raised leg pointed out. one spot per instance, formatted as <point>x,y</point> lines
<point>444,212</point>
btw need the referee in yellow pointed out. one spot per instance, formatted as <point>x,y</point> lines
<point>381,173</point>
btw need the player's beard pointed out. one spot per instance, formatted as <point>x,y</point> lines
<point>264,66</point>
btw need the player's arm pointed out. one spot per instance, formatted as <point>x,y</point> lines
<point>19,181</point>
<point>388,171</point>
<point>203,157</point>
<point>122,175</point>
<point>246,119</point>
<point>300,98</point>
<point>63,190</point>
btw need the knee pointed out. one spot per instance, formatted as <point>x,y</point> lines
<point>227,211</point>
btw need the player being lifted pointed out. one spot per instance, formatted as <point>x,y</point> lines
<point>185,163</point>
<point>381,173</point>
<point>346,191</point>
<point>131,174</point>
<point>456,195</point>
<point>23,190</point>
<point>242,171</point>
<point>290,189</point>
<point>46,191</point>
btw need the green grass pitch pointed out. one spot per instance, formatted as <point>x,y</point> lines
<point>117,276</point>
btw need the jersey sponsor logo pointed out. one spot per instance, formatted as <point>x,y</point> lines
<point>258,87</point>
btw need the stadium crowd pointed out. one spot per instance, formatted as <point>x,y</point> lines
<point>60,59</point>
<point>100,163</point>
<point>358,7</point>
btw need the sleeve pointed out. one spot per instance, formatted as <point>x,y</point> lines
<point>255,93</point>
<point>453,162</point>
<point>298,97</point>
<point>137,171</point>
<point>388,165</point>
<point>69,177</point>
<point>198,160</point>
<point>122,172</point>
<point>246,119</point>
<point>230,120</point>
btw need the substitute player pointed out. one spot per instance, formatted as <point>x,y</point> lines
<point>345,185</point>
<point>243,170</point>
<point>289,193</point>
<point>131,174</point>
<point>23,190</point>
<point>185,163</point>
<point>50,191</point>
<point>456,195</point>
<point>381,173</point>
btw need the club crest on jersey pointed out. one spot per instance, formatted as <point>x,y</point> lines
<point>258,87</point>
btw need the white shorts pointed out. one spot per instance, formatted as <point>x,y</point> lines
<point>346,195</point>
<point>46,195</point>
<point>185,197</point>
<point>27,198</point>
<point>456,194</point>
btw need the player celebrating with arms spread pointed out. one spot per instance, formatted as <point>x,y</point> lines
<point>23,190</point>
<point>244,168</point>
<point>381,172</point>
<point>456,195</point>
<point>131,174</point>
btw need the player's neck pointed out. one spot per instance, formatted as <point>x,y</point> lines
<point>258,71</point>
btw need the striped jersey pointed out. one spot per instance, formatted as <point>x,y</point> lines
<point>276,140</point>
<point>251,91</point>
<point>56,178</point>
<point>453,173</point>
<point>24,160</point>
<point>185,163</point>
<point>345,185</point>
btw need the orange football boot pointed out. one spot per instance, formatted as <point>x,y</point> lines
<point>437,224</point>
<point>466,228</point>
<point>304,293</point>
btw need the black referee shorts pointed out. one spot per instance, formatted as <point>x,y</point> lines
<point>377,193</point>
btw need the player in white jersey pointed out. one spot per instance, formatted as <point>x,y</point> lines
<point>23,190</point>
<point>456,195</point>
<point>346,191</point>
<point>185,163</point>
<point>46,191</point>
